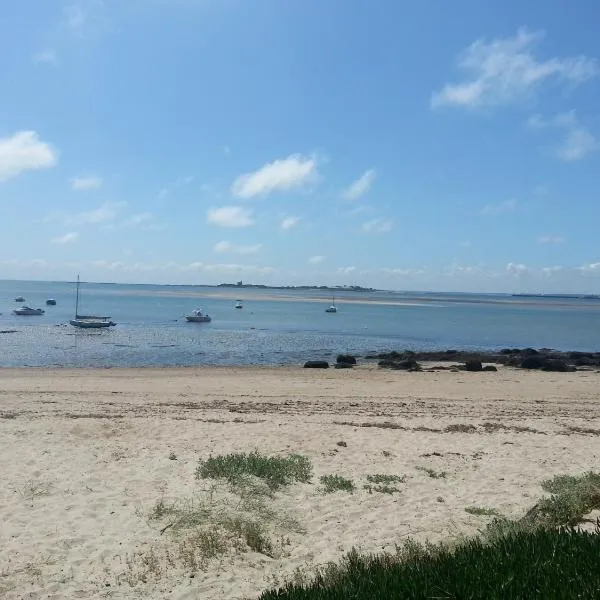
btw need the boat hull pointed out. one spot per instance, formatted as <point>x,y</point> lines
<point>82,324</point>
<point>194,319</point>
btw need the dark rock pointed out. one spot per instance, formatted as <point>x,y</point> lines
<point>510,351</point>
<point>343,365</point>
<point>490,368</point>
<point>557,365</point>
<point>473,365</point>
<point>529,352</point>
<point>316,364</point>
<point>346,359</point>
<point>532,362</point>
<point>400,365</point>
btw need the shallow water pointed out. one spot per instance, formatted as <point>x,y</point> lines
<point>276,326</point>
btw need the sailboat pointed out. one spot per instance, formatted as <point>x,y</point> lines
<point>89,321</point>
<point>333,307</point>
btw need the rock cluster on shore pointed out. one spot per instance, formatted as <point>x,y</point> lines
<point>527,358</point>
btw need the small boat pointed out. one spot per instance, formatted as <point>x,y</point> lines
<point>19,299</point>
<point>51,302</point>
<point>333,307</point>
<point>89,321</point>
<point>239,304</point>
<point>25,311</point>
<point>197,316</point>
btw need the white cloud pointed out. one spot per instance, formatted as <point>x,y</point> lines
<point>295,171</point>
<point>139,219</point>
<point>228,268</point>
<point>179,182</point>
<point>68,238</point>
<point>107,212</point>
<point>45,57</point>
<point>78,15</point>
<point>378,226</point>
<point>549,271</point>
<point>316,260</point>
<point>346,270</point>
<point>359,187</point>
<point>550,239</point>
<point>80,184</point>
<point>590,268</point>
<point>230,216</point>
<point>289,222</point>
<point>505,70</point>
<point>24,151</point>
<point>517,269</point>
<point>500,208</point>
<point>402,272</point>
<point>226,247</point>
<point>578,141</point>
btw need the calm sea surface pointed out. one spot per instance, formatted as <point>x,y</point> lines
<point>276,327</point>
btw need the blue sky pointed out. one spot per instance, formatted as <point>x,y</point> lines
<point>419,145</point>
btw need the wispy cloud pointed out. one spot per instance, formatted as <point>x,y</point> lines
<point>402,272</point>
<point>518,269</point>
<point>178,183</point>
<point>346,270</point>
<point>551,239</point>
<point>316,260</point>
<point>68,238</point>
<point>295,171</point>
<point>578,141</point>
<point>360,187</point>
<point>82,184</point>
<point>505,70</point>
<point>230,216</point>
<point>24,151</point>
<point>378,226</point>
<point>78,15</point>
<point>590,268</point>
<point>226,247</point>
<point>144,220</point>
<point>289,222</point>
<point>500,208</point>
<point>47,56</point>
<point>228,268</point>
<point>105,213</point>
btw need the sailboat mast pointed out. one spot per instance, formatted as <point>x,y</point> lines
<point>77,299</point>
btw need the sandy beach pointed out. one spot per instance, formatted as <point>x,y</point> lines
<point>88,454</point>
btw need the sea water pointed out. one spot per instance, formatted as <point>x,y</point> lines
<point>275,326</point>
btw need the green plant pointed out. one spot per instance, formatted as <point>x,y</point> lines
<point>537,565</point>
<point>482,511</point>
<point>274,470</point>
<point>335,483</point>
<point>382,489</point>
<point>382,478</point>
<point>172,456</point>
<point>433,474</point>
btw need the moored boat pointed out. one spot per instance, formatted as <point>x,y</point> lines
<point>197,316</point>
<point>25,311</point>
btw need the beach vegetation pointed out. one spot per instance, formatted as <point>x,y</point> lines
<point>482,511</point>
<point>275,471</point>
<point>432,473</point>
<point>460,428</point>
<point>540,563</point>
<point>336,483</point>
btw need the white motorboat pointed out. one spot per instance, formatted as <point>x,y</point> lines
<point>333,307</point>
<point>197,316</point>
<point>89,321</point>
<point>51,302</point>
<point>25,311</point>
<point>239,304</point>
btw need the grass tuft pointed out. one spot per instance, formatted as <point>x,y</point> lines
<point>382,478</point>
<point>482,511</point>
<point>433,474</point>
<point>336,483</point>
<point>274,470</point>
